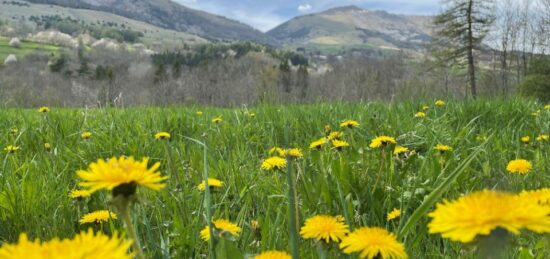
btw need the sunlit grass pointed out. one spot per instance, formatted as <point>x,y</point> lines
<point>358,182</point>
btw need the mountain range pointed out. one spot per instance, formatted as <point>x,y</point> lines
<point>347,26</point>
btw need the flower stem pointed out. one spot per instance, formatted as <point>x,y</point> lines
<point>208,202</point>
<point>292,212</point>
<point>321,250</point>
<point>124,210</point>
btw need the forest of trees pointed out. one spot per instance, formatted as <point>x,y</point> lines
<point>480,48</point>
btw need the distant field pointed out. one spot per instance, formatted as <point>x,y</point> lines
<point>362,183</point>
<point>25,49</point>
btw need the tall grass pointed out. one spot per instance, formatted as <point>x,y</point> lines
<point>34,183</point>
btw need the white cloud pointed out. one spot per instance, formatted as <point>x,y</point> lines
<point>304,7</point>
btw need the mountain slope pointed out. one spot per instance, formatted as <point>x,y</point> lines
<point>17,13</point>
<point>353,26</point>
<point>171,15</point>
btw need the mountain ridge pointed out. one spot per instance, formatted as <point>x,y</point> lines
<point>355,26</point>
<point>171,15</point>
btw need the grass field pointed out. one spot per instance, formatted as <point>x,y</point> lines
<point>25,48</point>
<point>361,183</point>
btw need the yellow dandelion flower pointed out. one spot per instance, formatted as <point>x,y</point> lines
<point>525,139</point>
<point>339,144</point>
<point>442,148</point>
<point>382,141</point>
<point>294,152</point>
<point>318,144</point>
<point>480,213</point>
<point>277,151</point>
<point>519,166</point>
<point>44,109</point>
<point>540,196</point>
<point>420,115</point>
<point>425,107</point>
<point>121,172</point>
<point>395,213</point>
<point>86,135</point>
<point>324,227</point>
<point>11,149</point>
<point>273,255</point>
<point>47,146</point>
<point>440,103</point>
<point>212,182</point>
<point>543,137</point>
<point>98,217</point>
<point>217,120</point>
<point>221,226</point>
<point>335,135</point>
<point>398,150</point>
<point>251,115</point>
<point>547,107</point>
<point>14,131</point>
<point>79,194</point>
<point>349,124</point>
<point>199,113</point>
<point>162,135</point>
<point>85,245</point>
<point>373,242</point>
<point>274,162</point>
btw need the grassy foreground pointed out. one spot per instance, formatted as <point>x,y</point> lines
<point>358,182</point>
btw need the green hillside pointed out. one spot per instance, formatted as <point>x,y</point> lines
<point>152,34</point>
<point>25,48</point>
<point>353,27</point>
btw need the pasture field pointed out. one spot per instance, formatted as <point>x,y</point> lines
<point>25,49</point>
<point>361,182</point>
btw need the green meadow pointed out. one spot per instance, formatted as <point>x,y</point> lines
<point>360,183</point>
<point>25,48</point>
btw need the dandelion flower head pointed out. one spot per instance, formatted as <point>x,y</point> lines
<point>44,109</point>
<point>221,226</point>
<point>395,213</point>
<point>98,217</point>
<point>479,213</point>
<point>274,162</point>
<point>324,228</point>
<point>373,242</point>
<point>86,135</point>
<point>212,182</point>
<point>349,124</point>
<point>118,171</point>
<point>85,245</point>
<point>420,115</point>
<point>382,141</point>
<point>318,144</point>
<point>519,166</point>
<point>162,135</point>
<point>273,255</point>
<point>10,149</point>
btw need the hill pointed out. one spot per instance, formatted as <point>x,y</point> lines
<point>22,12</point>
<point>351,26</point>
<point>170,15</point>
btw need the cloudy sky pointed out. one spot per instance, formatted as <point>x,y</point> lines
<point>266,14</point>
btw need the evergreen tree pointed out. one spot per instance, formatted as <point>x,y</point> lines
<point>460,30</point>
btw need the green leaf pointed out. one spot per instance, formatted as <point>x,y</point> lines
<point>226,249</point>
<point>436,194</point>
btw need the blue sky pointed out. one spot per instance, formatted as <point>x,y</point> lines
<point>266,14</point>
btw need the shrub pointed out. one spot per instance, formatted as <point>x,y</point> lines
<point>537,81</point>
